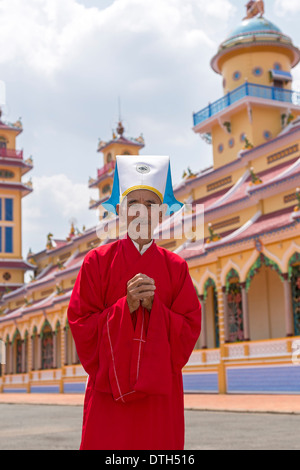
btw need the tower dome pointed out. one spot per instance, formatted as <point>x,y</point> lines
<point>259,26</point>
<point>256,32</point>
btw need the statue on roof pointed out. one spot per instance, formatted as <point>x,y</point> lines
<point>254,8</point>
<point>120,129</point>
<point>49,244</point>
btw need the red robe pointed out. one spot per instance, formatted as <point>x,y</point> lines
<point>134,397</point>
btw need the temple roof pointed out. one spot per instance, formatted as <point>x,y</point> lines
<point>260,225</point>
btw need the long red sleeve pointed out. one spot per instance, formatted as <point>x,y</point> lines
<point>87,313</point>
<point>131,363</point>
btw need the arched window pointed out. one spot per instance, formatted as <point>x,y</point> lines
<point>235,308</point>
<point>294,276</point>
<point>210,299</point>
<point>3,142</point>
<point>47,347</point>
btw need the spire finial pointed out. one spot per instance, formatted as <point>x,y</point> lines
<point>120,128</point>
<point>254,8</point>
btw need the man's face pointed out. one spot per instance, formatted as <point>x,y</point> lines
<point>143,210</point>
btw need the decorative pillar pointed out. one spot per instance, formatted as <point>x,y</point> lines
<point>74,352</point>
<point>245,311</point>
<point>288,306</point>
<point>204,324</point>
<point>223,330</point>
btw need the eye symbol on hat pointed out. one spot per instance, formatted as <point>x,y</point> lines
<point>142,168</point>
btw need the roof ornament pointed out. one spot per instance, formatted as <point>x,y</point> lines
<point>297,207</point>
<point>120,129</point>
<point>49,244</point>
<point>213,237</point>
<point>255,8</point>
<point>254,178</point>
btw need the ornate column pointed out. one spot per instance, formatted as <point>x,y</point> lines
<point>288,306</point>
<point>223,329</point>
<point>74,352</point>
<point>245,312</point>
<point>204,324</point>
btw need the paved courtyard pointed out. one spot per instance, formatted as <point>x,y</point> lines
<point>53,427</point>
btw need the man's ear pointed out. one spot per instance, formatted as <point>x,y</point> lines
<point>118,209</point>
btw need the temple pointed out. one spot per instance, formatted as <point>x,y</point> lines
<point>247,270</point>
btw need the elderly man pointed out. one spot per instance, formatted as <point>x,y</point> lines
<point>135,318</point>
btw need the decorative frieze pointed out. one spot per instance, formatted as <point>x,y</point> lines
<point>225,223</point>
<point>282,154</point>
<point>219,183</point>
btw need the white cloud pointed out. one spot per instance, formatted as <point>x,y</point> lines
<point>46,34</point>
<point>55,201</point>
<point>65,63</point>
<point>42,33</point>
<point>283,7</point>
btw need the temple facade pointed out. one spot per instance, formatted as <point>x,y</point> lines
<point>246,270</point>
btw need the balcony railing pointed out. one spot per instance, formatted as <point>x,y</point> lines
<point>247,89</point>
<point>106,168</point>
<point>10,153</point>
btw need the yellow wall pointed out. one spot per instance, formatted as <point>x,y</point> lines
<point>240,124</point>
<point>245,61</point>
<point>265,119</point>
<point>119,149</point>
<point>10,137</point>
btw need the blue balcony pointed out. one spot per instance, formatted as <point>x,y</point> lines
<point>247,89</point>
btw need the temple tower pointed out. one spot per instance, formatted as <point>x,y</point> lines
<point>118,145</point>
<point>12,190</point>
<point>255,61</point>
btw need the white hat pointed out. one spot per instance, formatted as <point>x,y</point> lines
<point>151,172</point>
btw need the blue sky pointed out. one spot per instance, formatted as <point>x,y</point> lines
<point>65,64</point>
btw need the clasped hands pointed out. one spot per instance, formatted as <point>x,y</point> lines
<point>140,288</point>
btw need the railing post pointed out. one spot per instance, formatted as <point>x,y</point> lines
<point>209,110</point>
<point>273,93</point>
<point>246,88</point>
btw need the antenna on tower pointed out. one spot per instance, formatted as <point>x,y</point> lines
<point>119,108</point>
<point>120,128</point>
